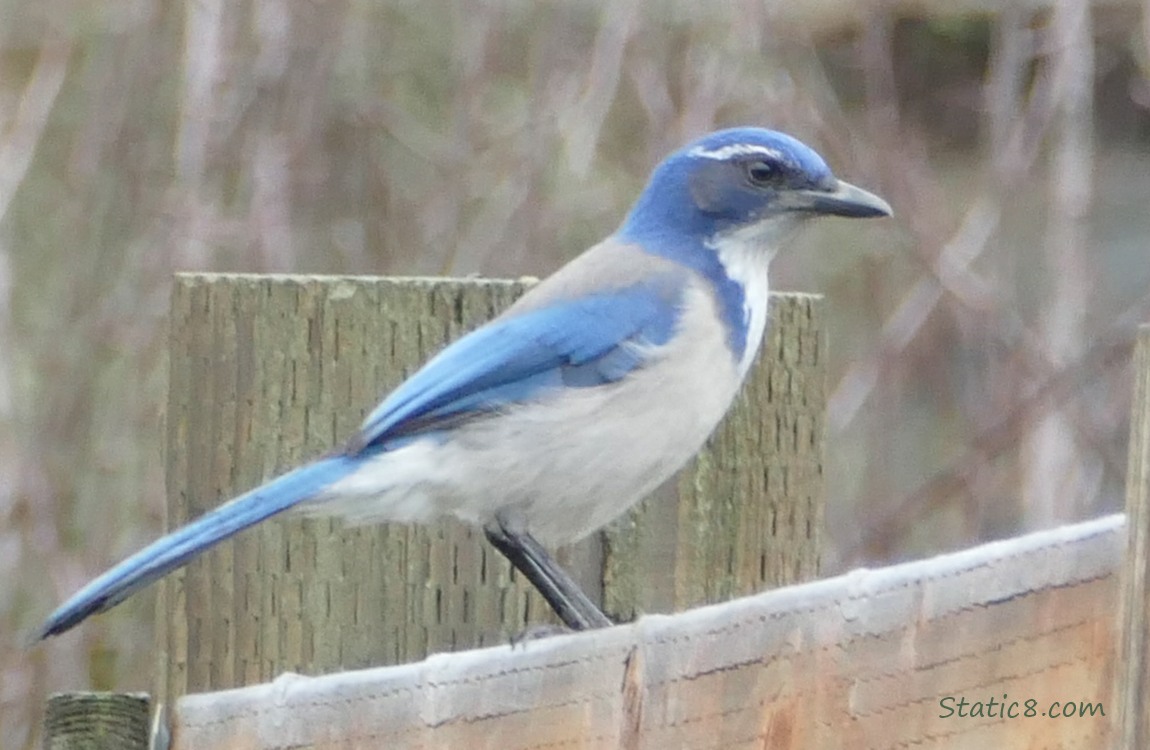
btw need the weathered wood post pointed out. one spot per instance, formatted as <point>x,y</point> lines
<point>267,371</point>
<point>97,721</point>
<point>1132,688</point>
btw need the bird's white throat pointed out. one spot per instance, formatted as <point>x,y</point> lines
<point>746,255</point>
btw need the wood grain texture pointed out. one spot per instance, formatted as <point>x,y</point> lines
<point>97,721</point>
<point>268,371</point>
<point>1132,687</point>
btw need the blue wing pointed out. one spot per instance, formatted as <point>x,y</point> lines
<point>581,342</point>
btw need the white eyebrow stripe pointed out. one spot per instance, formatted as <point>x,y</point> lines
<point>736,149</point>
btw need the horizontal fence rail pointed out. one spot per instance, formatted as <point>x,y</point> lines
<point>977,649</point>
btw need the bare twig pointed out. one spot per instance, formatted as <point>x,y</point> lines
<point>18,143</point>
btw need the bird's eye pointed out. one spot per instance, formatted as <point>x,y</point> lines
<point>761,172</point>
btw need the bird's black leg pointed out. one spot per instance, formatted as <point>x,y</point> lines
<point>561,592</point>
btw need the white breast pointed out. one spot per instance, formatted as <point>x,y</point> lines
<point>568,464</point>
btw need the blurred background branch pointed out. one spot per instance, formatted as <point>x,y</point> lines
<point>979,340</point>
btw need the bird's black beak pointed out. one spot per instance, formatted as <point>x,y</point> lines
<point>844,199</point>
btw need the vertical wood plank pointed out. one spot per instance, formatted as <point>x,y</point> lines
<point>1132,687</point>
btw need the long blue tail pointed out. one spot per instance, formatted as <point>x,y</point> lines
<point>176,549</point>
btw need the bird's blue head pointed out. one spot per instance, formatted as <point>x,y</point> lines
<point>750,183</point>
<point>723,204</point>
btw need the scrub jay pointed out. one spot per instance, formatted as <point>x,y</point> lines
<point>604,379</point>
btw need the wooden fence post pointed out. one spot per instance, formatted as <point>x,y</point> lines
<point>267,371</point>
<point>1132,676</point>
<point>97,721</point>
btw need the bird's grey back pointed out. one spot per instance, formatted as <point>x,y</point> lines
<point>609,265</point>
